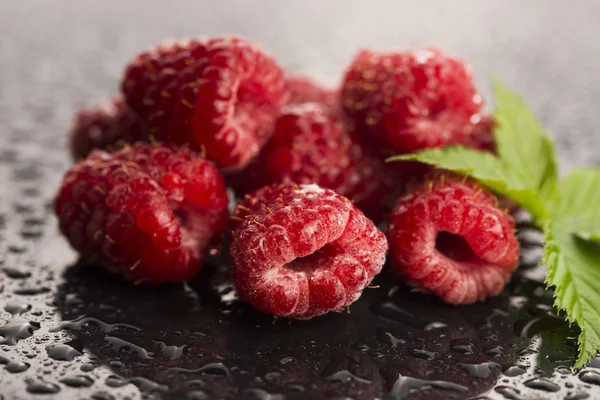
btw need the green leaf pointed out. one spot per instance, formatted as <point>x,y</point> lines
<point>487,169</point>
<point>574,271</point>
<point>523,143</point>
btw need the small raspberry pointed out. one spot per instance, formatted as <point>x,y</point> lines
<point>146,212</point>
<point>303,89</point>
<point>302,251</point>
<point>452,239</point>
<point>310,145</point>
<point>109,126</point>
<point>411,100</point>
<point>218,95</point>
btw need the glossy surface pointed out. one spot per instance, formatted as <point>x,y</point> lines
<point>127,342</point>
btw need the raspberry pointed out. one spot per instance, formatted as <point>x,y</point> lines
<point>109,126</point>
<point>450,238</point>
<point>218,95</point>
<point>301,251</point>
<point>411,100</point>
<point>146,212</point>
<point>310,145</point>
<point>305,90</point>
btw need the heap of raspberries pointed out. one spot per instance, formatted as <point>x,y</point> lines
<point>148,199</point>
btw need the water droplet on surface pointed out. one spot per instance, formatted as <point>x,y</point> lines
<point>462,346</point>
<point>495,351</point>
<point>591,377</point>
<point>286,360</point>
<point>196,395</point>
<point>77,381</point>
<point>11,365</point>
<point>387,337</point>
<point>345,376</point>
<point>482,370</point>
<point>405,386</point>
<point>295,387</point>
<point>435,325</point>
<point>16,329</point>
<point>390,310</point>
<point>15,273</point>
<point>102,396</point>
<point>79,323</point>
<point>62,351</point>
<point>123,345</point>
<point>509,393</point>
<point>514,371</point>
<point>16,307</point>
<point>578,396</point>
<point>423,354</point>
<point>173,352</point>
<point>210,369</point>
<point>542,384</point>
<point>260,394</point>
<point>143,384</point>
<point>40,386</point>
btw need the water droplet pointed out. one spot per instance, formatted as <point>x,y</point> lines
<point>123,345</point>
<point>62,351</point>
<point>173,352</point>
<point>102,396</point>
<point>79,323</point>
<point>197,395</point>
<point>40,386</point>
<point>495,351</point>
<point>16,273</point>
<point>405,386</point>
<point>514,371</point>
<point>578,396</point>
<point>345,376</point>
<point>387,337</point>
<point>87,367</point>
<point>509,393</point>
<point>260,394</point>
<point>482,370</point>
<point>31,290</point>
<point>462,346</point>
<point>591,377</point>
<point>542,384</point>
<point>77,381</point>
<point>16,307</point>
<point>143,384</point>
<point>423,354</point>
<point>286,360</point>
<point>210,369</point>
<point>16,329</point>
<point>594,362</point>
<point>271,376</point>
<point>435,325</point>
<point>295,387</point>
<point>11,365</point>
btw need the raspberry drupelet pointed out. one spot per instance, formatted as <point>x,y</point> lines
<point>109,126</point>
<point>303,89</point>
<point>310,145</point>
<point>301,250</point>
<point>219,95</point>
<point>147,212</point>
<point>449,237</point>
<point>408,101</point>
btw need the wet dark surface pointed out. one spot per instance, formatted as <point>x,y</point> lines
<point>71,331</point>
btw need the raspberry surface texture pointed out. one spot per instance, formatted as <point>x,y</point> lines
<point>219,95</point>
<point>147,212</point>
<point>303,89</point>
<point>109,126</point>
<point>450,238</point>
<point>302,250</point>
<point>310,145</point>
<point>408,101</point>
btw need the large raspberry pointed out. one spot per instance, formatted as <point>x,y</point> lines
<point>451,238</point>
<point>310,145</point>
<point>411,100</point>
<point>302,251</point>
<point>109,126</point>
<point>303,89</point>
<point>147,212</point>
<point>219,95</point>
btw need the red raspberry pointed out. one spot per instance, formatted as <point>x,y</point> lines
<point>310,145</point>
<point>109,126</point>
<point>451,238</point>
<point>146,212</point>
<point>219,95</point>
<point>411,100</point>
<point>303,89</point>
<point>302,251</point>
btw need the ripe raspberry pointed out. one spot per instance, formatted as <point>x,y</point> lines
<point>146,212</point>
<point>109,126</point>
<point>310,145</point>
<point>451,238</point>
<point>218,95</point>
<point>411,100</point>
<point>302,251</point>
<point>305,90</point>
